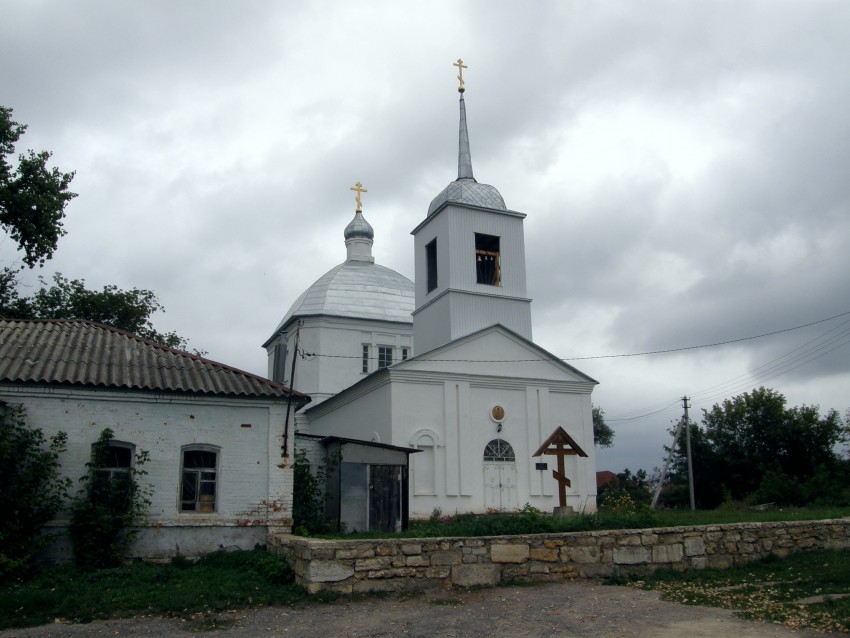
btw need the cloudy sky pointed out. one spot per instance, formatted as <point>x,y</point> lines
<point>685,169</point>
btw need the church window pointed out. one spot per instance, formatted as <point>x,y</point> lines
<point>364,367</point>
<point>487,260</point>
<point>404,354</point>
<point>499,450</point>
<point>385,356</point>
<point>198,483</point>
<point>431,264</point>
<point>279,369</point>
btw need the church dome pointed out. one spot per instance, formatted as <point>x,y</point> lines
<point>468,191</point>
<point>359,227</point>
<point>358,290</point>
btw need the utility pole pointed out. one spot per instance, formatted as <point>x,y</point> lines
<point>688,446</point>
<point>667,464</point>
<point>683,422</point>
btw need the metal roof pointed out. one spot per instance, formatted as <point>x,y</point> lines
<point>468,191</point>
<point>465,189</point>
<point>83,353</point>
<point>357,289</point>
<point>359,227</point>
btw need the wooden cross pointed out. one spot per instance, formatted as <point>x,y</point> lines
<point>560,444</point>
<point>359,188</point>
<point>460,67</point>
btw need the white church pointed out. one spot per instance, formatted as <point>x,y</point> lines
<point>444,365</point>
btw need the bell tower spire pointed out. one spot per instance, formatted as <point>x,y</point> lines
<point>464,159</point>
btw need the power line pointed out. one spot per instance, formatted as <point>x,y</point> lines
<point>805,353</point>
<point>615,356</point>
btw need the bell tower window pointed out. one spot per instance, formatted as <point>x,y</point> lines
<point>431,264</point>
<point>488,268</point>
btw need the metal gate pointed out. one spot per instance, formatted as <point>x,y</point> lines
<point>385,498</point>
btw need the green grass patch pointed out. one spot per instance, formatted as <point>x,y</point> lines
<point>532,521</point>
<point>741,514</point>
<point>220,581</point>
<point>770,590</point>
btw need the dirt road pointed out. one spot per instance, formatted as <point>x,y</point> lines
<point>562,609</point>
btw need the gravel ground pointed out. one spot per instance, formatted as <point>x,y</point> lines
<point>578,608</point>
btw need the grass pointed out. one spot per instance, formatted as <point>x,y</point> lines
<point>770,590</point>
<point>195,591</point>
<point>531,521</point>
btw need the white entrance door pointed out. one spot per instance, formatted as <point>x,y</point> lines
<point>500,476</point>
<point>500,486</point>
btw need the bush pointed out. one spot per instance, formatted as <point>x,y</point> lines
<point>308,497</point>
<point>32,490</point>
<point>106,509</point>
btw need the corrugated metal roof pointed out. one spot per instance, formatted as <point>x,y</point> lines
<point>84,353</point>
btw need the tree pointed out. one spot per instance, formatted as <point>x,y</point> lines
<point>128,310</point>
<point>636,486</point>
<point>752,447</point>
<point>603,435</point>
<point>32,489</point>
<point>32,196</point>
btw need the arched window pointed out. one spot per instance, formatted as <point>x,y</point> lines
<point>424,466</point>
<point>499,450</point>
<point>113,459</point>
<point>199,477</point>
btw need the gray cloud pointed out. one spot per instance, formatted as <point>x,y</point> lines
<point>683,168</point>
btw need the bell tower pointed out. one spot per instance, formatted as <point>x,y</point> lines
<point>470,258</point>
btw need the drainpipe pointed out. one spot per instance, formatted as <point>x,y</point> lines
<point>291,388</point>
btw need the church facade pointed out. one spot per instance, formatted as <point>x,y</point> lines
<point>447,364</point>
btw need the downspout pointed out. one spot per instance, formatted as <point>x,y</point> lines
<point>291,388</point>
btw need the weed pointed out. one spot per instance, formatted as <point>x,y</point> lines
<point>769,590</point>
<point>216,583</point>
<point>446,602</point>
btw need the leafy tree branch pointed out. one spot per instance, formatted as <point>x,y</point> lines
<point>32,196</point>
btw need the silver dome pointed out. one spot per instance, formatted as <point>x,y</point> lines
<point>357,289</point>
<point>359,227</point>
<point>468,191</point>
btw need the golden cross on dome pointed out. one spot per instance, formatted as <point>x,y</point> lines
<point>359,188</point>
<point>460,67</point>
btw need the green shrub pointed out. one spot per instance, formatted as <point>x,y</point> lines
<point>309,497</point>
<point>107,509</point>
<point>32,489</point>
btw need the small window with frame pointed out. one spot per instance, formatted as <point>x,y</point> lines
<point>385,357</point>
<point>199,479</point>
<point>364,364</point>
<point>112,484</point>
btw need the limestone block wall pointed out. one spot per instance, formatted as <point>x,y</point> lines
<point>411,564</point>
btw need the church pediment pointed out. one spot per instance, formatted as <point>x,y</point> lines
<point>495,351</point>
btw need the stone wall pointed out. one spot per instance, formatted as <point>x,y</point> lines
<point>410,564</point>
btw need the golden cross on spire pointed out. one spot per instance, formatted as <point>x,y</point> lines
<point>359,188</point>
<point>460,67</point>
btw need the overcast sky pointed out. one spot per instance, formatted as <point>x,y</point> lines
<point>685,169</point>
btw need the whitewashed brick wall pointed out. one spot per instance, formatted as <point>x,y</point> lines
<point>254,484</point>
